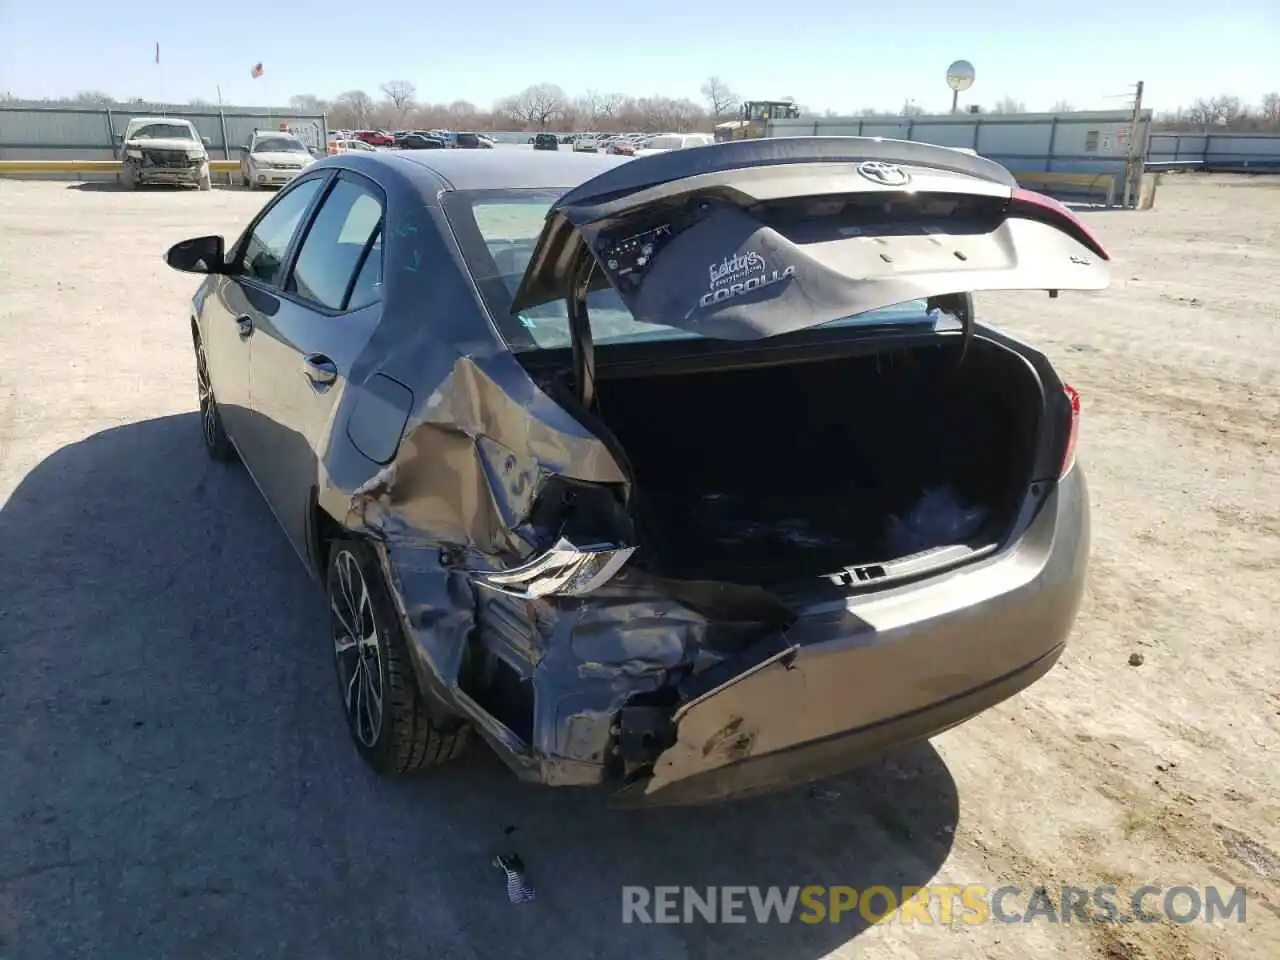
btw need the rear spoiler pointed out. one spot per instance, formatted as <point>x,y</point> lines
<point>739,155</point>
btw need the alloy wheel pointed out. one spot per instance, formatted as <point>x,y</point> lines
<point>357,647</point>
<point>208,409</point>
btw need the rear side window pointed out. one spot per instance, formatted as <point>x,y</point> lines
<point>335,246</point>
<point>264,252</point>
<point>368,286</point>
<point>468,140</point>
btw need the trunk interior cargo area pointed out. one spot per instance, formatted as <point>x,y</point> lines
<point>772,474</point>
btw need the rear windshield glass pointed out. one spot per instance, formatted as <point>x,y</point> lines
<point>497,231</point>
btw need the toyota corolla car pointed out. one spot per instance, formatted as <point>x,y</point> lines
<point>688,476</point>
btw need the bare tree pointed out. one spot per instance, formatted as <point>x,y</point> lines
<point>534,106</point>
<point>1269,109</point>
<point>307,103</point>
<point>912,109</point>
<point>611,103</point>
<point>401,93</point>
<point>1221,110</point>
<point>1062,106</point>
<point>1009,105</point>
<point>720,99</point>
<point>587,108</point>
<point>352,109</point>
<point>93,98</point>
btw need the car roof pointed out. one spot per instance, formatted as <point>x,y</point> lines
<point>508,169</point>
<point>160,120</point>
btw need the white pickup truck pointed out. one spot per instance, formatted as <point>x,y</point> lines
<point>163,150</point>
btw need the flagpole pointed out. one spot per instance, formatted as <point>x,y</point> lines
<point>222,122</point>
<point>160,66</point>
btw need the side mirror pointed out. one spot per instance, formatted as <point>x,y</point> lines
<point>208,142</point>
<point>198,255</point>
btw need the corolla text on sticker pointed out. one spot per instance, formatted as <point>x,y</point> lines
<point>739,274</point>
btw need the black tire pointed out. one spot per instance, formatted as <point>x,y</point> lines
<point>391,726</point>
<point>216,442</point>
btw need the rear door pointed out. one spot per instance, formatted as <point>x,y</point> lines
<point>329,305</point>
<point>741,241</point>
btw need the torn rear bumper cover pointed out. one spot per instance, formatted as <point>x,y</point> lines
<point>629,687</point>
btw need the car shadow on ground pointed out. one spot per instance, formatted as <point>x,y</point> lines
<point>177,778</point>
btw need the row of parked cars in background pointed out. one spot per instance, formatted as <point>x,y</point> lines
<point>621,144</point>
<point>410,140</point>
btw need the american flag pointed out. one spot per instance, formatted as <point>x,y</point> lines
<point>256,72</point>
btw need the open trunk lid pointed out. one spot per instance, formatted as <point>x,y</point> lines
<point>757,238</point>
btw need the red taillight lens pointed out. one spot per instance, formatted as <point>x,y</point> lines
<point>1069,455</point>
<point>1036,206</point>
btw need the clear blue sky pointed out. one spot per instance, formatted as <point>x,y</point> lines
<point>825,54</point>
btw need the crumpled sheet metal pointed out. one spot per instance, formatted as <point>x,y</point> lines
<point>630,639</point>
<point>453,500</point>
<point>457,477</point>
<point>587,660</point>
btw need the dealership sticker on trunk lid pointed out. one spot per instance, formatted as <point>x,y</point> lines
<point>741,273</point>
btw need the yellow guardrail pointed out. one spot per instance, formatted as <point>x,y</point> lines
<point>1086,181</point>
<point>92,166</point>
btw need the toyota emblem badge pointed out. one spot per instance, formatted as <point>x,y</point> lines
<point>885,174</point>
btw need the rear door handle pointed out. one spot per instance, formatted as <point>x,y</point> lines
<point>320,369</point>
<point>245,323</point>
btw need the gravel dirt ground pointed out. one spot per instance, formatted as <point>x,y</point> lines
<point>175,776</point>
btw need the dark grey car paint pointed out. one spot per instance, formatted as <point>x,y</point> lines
<point>433,442</point>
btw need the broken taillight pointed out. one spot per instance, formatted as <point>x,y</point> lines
<point>567,570</point>
<point>1036,206</point>
<point>1069,455</point>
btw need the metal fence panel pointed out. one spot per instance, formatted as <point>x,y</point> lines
<point>1218,151</point>
<point>945,134</point>
<point>48,132</point>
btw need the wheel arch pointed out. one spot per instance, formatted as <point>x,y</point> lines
<point>322,529</point>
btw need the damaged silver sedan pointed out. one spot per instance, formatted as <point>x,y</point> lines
<point>689,476</point>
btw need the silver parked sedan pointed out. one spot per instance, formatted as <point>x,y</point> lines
<point>272,159</point>
<point>688,476</point>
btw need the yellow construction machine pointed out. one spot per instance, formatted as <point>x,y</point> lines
<point>754,119</point>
